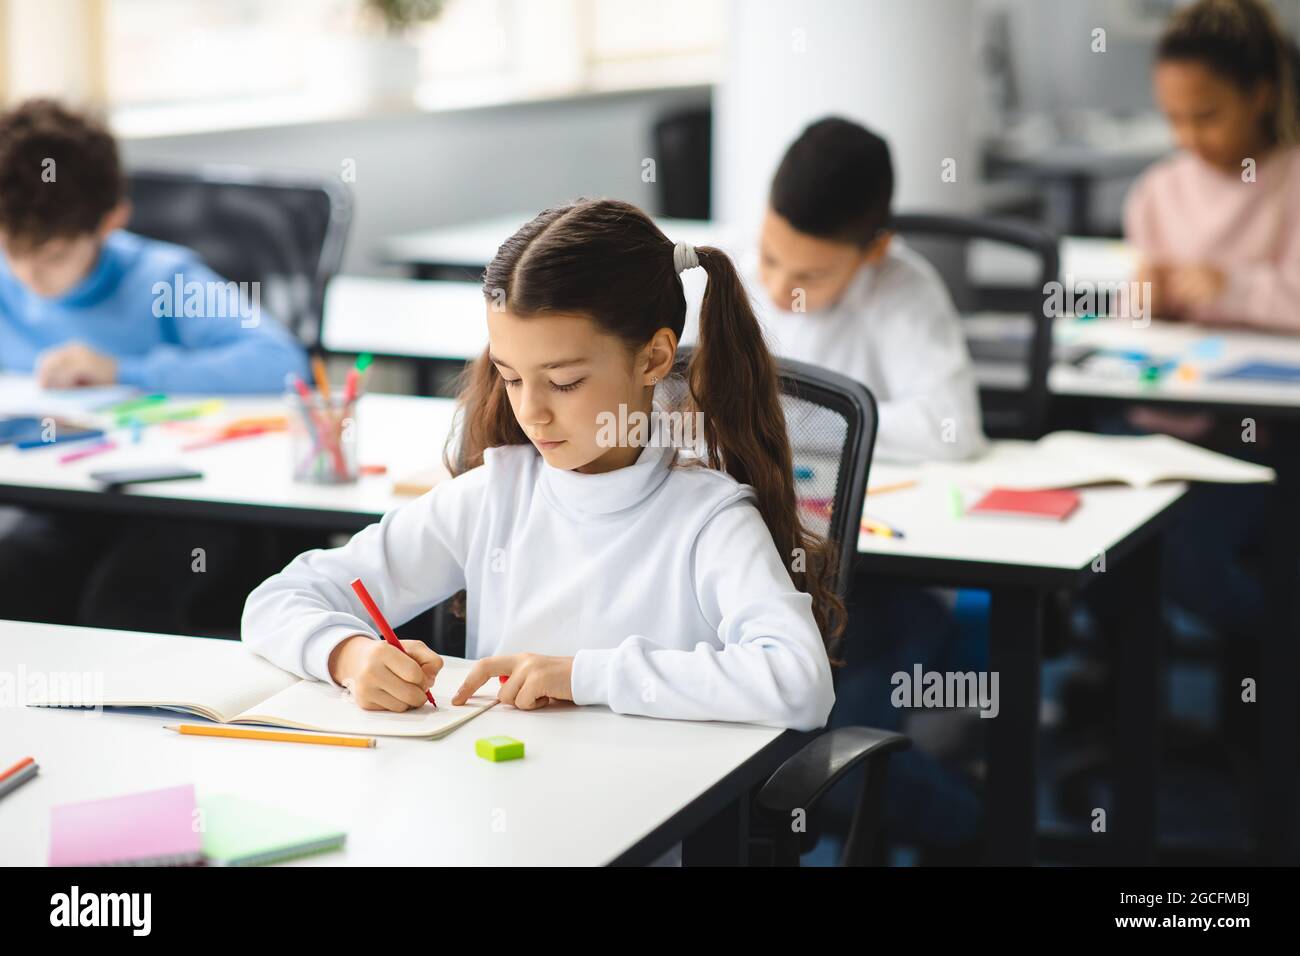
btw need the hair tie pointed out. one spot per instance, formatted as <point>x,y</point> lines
<point>684,257</point>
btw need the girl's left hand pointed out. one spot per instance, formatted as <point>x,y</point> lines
<point>534,680</point>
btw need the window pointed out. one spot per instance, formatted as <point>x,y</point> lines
<point>171,63</point>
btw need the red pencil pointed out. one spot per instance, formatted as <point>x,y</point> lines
<point>373,610</point>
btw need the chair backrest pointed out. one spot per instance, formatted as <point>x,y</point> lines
<point>284,231</point>
<point>831,420</point>
<point>1013,362</point>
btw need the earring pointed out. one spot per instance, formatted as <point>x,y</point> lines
<point>654,379</point>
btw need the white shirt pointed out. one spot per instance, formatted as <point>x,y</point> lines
<point>662,582</point>
<point>895,330</point>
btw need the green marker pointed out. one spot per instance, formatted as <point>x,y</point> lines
<point>131,404</point>
<point>954,501</point>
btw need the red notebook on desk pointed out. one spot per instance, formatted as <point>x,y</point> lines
<point>1056,504</point>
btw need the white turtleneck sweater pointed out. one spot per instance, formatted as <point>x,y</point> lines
<point>662,583</point>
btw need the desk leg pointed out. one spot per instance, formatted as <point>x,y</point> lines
<point>1011,798</point>
<point>1276,831</point>
<point>1137,638</point>
<point>722,840</point>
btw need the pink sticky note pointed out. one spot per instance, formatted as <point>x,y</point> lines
<point>156,827</point>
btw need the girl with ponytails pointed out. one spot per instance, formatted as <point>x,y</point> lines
<point>627,573</point>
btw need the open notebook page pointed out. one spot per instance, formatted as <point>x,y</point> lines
<point>1075,459</point>
<point>214,678</point>
<point>1142,460</point>
<point>314,705</point>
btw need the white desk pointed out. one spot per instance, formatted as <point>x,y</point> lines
<point>594,787</point>
<point>1224,348</point>
<point>1083,258</point>
<point>408,318</point>
<point>246,479</point>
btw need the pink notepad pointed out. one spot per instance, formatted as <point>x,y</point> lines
<point>154,828</point>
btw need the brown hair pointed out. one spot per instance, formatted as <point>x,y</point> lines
<point>1242,42</point>
<point>59,174</point>
<point>607,260</point>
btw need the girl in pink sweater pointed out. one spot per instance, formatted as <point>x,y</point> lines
<point>1218,224</point>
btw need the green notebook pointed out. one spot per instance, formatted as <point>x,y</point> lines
<point>239,832</point>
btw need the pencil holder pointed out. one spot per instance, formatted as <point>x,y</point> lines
<point>323,439</point>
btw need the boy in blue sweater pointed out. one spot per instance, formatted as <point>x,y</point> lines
<point>84,302</point>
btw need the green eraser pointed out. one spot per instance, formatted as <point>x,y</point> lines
<point>499,748</point>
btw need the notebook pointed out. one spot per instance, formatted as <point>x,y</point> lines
<point>226,682</point>
<point>1073,459</point>
<point>239,832</point>
<point>153,828</point>
<point>1056,505</point>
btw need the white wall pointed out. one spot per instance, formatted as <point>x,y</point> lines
<point>904,68</point>
<point>418,170</point>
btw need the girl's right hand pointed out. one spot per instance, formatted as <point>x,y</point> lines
<point>380,677</point>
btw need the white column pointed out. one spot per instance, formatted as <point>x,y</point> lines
<point>903,68</point>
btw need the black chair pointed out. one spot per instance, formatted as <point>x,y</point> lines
<point>285,231</point>
<point>1012,369</point>
<point>831,420</point>
<point>683,143</point>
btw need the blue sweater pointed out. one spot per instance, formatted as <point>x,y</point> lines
<point>170,322</point>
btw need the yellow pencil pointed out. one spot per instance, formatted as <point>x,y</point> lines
<point>885,489</point>
<point>876,527</point>
<point>203,730</point>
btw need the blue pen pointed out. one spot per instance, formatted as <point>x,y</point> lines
<point>58,439</point>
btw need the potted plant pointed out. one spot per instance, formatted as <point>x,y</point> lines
<point>378,64</point>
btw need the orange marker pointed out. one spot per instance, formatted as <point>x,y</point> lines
<point>322,379</point>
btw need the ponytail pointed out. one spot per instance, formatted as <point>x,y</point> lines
<point>732,380</point>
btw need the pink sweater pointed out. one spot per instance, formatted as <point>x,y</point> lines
<point>1183,211</point>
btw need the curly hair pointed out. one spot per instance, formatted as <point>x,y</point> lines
<point>60,174</point>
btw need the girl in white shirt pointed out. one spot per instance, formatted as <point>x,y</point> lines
<point>598,568</point>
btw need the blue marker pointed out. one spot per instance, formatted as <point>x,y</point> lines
<point>58,439</point>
